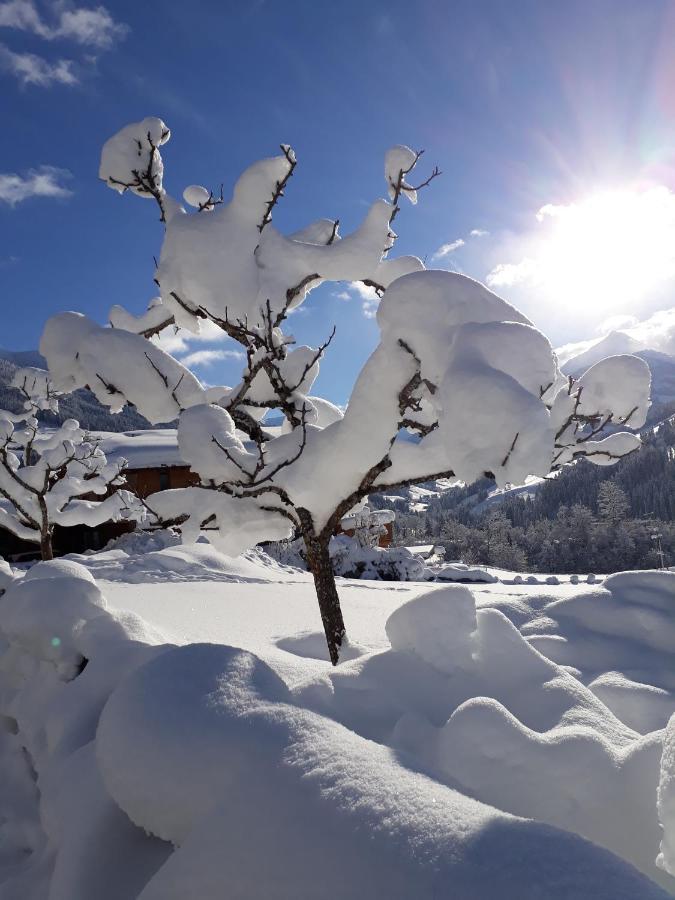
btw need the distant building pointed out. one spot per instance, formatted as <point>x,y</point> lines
<point>153,460</point>
<point>153,464</point>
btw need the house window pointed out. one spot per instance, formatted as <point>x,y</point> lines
<point>163,479</point>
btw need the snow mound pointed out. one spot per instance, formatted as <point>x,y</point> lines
<point>49,622</point>
<point>472,701</point>
<point>133,561</point>
<point>202,746</point>
<point>437,626</point>
<point>198,767</point>
<point>461,572</point>
<point>666,801</point>
<point>350,560</point>
<point>627,625</point>
<point>7,576</point>
<point>66,839</point>
<point>166,777</point>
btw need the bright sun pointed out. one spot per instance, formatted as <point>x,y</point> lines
<point>604,253</point>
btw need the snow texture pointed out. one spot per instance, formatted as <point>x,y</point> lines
<point>415,770</point>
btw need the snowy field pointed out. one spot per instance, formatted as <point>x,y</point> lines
<point>498,741</point>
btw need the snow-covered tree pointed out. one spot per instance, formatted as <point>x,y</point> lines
<point>613,504</point>
<point>368,525</point>
<point>46,476</point>
<point>461,370</point>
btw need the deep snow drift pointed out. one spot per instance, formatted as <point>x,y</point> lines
<point>442,760</point>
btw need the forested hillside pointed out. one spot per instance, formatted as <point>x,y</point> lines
<point>587,518</point>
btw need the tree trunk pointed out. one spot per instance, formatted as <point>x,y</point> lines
<point>46,549</point>
<point>46,529</point>
<point>318,560</point>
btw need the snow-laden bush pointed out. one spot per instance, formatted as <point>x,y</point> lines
<point>351,560</point>
<point>465,372</point>
<point>49,477</point>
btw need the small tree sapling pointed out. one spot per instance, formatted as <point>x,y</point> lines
<point>471,382</point>
<point>46,475</point>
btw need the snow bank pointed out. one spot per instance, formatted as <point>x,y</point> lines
<point>169,772</point>
<point>475,704</point>
<point>620,637</point>
<point>437,626</point>
<point>273,800</point>
<point>156,557</point>
<point>61,654</point>
<point>352,560</point>
<point>666,801</point>
<point>461,572</point>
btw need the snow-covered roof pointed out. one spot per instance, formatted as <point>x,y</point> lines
<point>142,449</point>
<point>149,448</point>
<point>421,549</point>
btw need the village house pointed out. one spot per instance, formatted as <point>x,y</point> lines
<point>154,464</point>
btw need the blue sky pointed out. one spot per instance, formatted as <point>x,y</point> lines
<point>524,105</point>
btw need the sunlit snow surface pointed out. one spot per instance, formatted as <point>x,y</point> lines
<point>175,765</point>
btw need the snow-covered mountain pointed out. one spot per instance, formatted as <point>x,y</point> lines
<point>655,334</point>
<point>653,340</point>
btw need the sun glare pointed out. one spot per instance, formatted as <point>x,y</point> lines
<point>602,254</point>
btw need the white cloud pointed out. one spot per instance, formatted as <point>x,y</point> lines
<point>446,249</point>
<point>30,68</point>
<point>42,182</point>
<point>209,357</point>
<point>177,340</point>
<point>617,323</point>
<point>369,307</point>
<point>92,27</point>
<point>478,233</point>
<point>508,274</point>
<point>357,290</point>
<point>657,332</point>
<point>363,291</point>
<point>20,14</point>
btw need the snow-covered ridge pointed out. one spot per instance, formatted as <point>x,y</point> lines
<point>655,333</point>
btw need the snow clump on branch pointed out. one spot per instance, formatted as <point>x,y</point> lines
<point>469,381</point>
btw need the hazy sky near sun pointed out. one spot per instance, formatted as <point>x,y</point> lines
<point>553,123</point>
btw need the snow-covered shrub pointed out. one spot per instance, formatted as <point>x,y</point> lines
<point>471,377</point>
<point>46,476</point>
<point>288,553</point>
<point>352,560</point>
<point>368,525</point>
